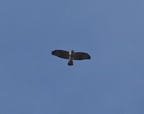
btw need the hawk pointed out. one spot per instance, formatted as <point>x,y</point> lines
<point>71,55</point>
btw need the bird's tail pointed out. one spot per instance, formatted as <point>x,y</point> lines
<point>70,63</point>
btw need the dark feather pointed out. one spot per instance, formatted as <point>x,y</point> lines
<point>81,56</point>
<point>61,53</point>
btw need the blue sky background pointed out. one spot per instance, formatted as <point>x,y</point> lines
<point>32,81</point>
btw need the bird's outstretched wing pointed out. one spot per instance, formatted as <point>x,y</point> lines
<point>81,56</point>
<point>61,53</point>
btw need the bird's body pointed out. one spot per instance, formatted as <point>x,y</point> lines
<point>71,55</point>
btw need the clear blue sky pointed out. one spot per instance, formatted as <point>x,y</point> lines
<point>32,81</point>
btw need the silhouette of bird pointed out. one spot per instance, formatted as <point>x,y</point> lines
<point>71,55</point>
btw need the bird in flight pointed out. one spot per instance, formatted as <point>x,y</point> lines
<point>71,55</point>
